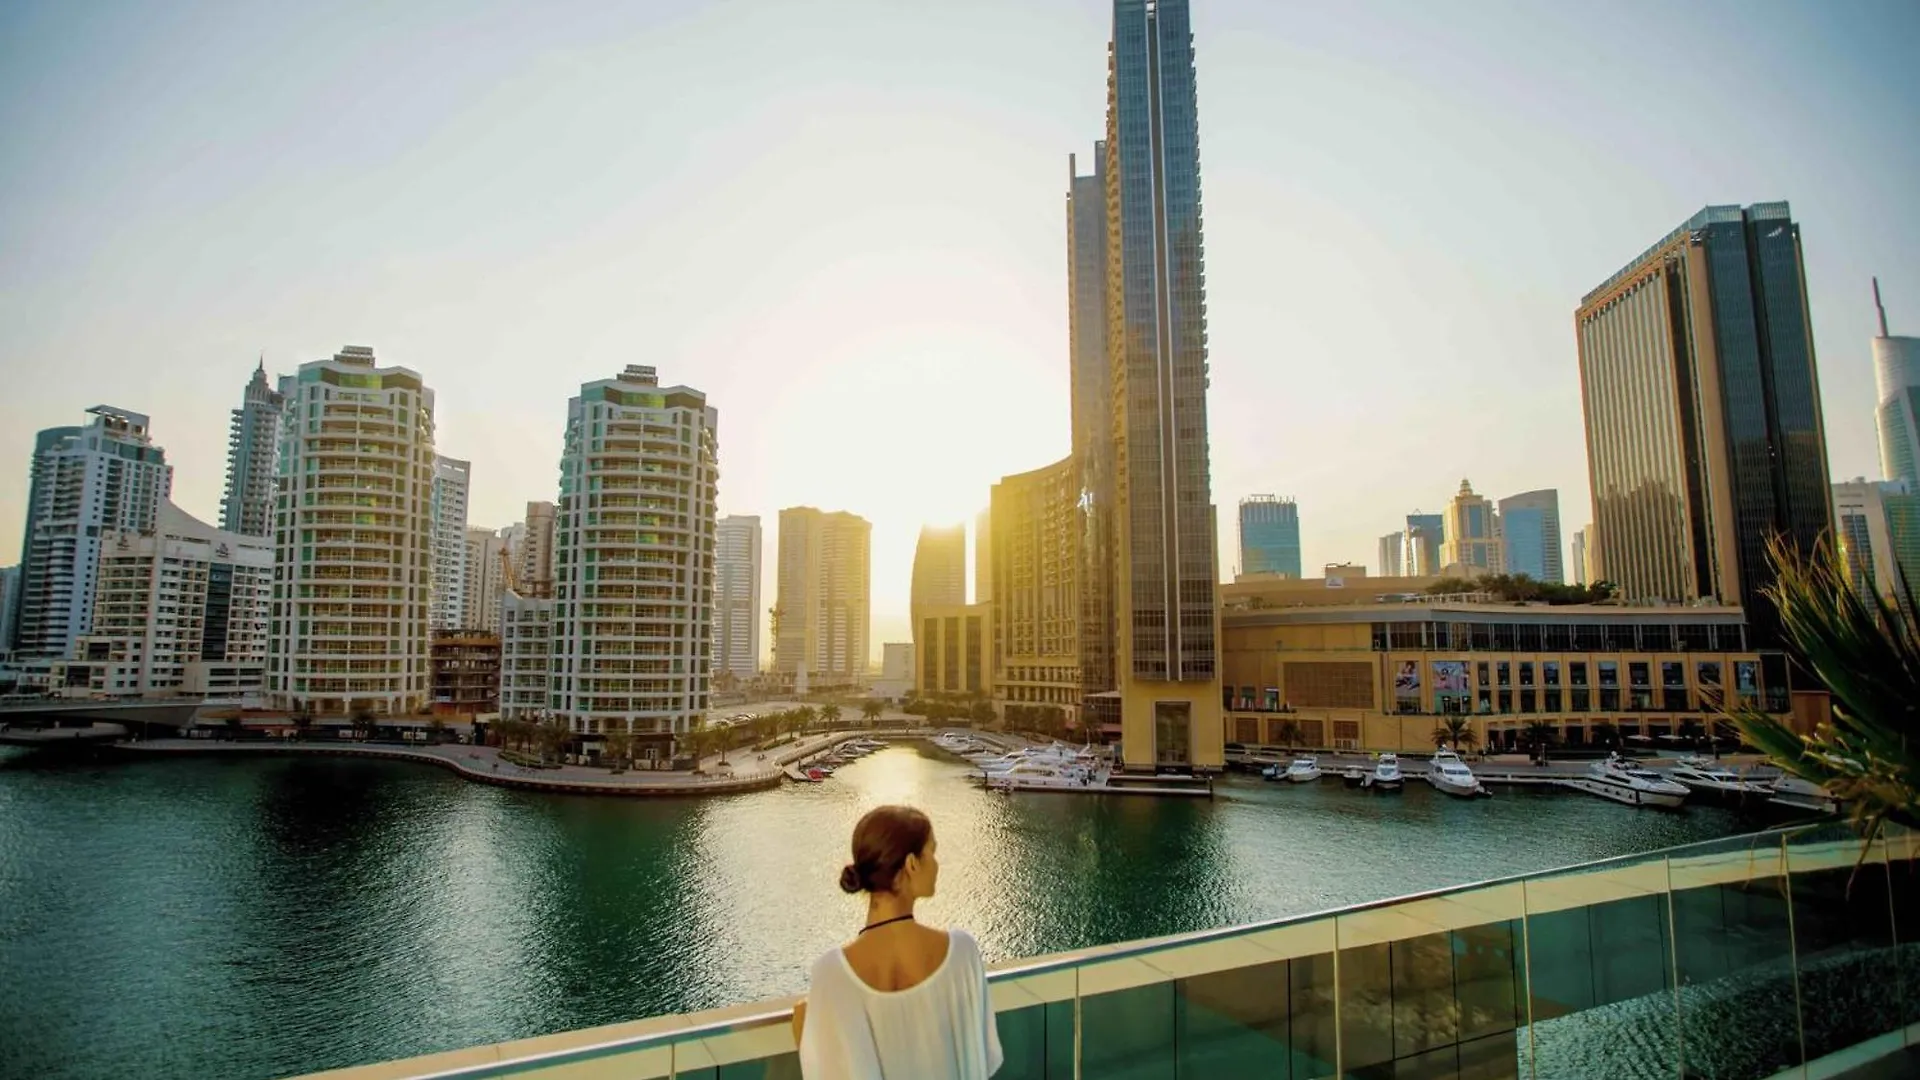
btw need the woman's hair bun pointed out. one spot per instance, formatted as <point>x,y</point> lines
<point>849,879</point>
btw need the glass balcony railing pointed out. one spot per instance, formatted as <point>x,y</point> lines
<point>1784,953</point>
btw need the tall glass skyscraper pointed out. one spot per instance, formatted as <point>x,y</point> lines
<point>1092,387</point>
<point>1269,536</point>
<point>1530,534</point>
<point>1896,374</point>
<point>1157,348</point>
<point>1702,402</point>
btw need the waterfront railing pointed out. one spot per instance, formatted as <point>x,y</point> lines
<point>1792,952</point>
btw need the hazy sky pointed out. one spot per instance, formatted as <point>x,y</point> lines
<point>843,220</point>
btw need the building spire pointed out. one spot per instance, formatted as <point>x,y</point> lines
<point>1879,308</point>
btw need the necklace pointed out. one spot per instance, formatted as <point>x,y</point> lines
<point>883,922</point>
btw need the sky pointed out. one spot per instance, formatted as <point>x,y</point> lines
<point>844,221</point>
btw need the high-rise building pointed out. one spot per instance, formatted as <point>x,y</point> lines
<point>736,597</point>
<point>822,609</point>
<point>1424,533</point>
<point>940,566</point>
<point>1157,346</point>
<point>180,610</point>
<point>1036,610</point>
<point>1091,383</point>
<point>1472,535</point>
<point>533,555</point>
<point>1896,373</point>
<point>982,556</point>
<point>526,650</point>
<point>896,662</point>
<point>9,598</point>
<point>1392,557</point>
<point>1583,556</point>
<point>483,582</point>
<point>353,564</point>
<point>1702,403</point>
<point>1878,528</point>
<point>1530,535</point>
<point>447,608</point>
<point>86,482</point>
<point>1269,536</point>
<point>253,442</point>
<point>633,561</point>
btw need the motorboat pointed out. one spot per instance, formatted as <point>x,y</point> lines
<point>1626,782</point>
<point>1793,793</point>
<point>1036,775</point>
<point>1386,774</point>
<point>1275,771</point>
<point>1447,773</point>
<point>1354,776</point>
<point>1304,769</point>
<point>1704,775</point>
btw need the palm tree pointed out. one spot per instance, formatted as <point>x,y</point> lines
<point>437,728</point>
<point>618,748</point>
<point>1866,651</point>
<point>807,717</point>
<point>302,718</point>
<point>1605,734</point>
<point>870,710</point>
<point>694,742</point>
<point>981,712</point>
<point>1691,731</point>
<point>363,721</point>
<point>1539,735</point>
<point>1291,733</point>
<point>554,737</point>
<point>1454,731</point>
<point>830,713</point>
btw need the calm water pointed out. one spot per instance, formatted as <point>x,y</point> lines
<point>217,917</point>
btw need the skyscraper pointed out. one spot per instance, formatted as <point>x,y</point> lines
<point>1702,404</point>
<point>982,556</point>
<point>1472,532</point>
<point>1393,554</point>
<point>1157,347</point>
<point>1269,536</point>
<point>86,481</point>
<point>447,608</point>
<point>1425,533</point>
<point>1896,373</point>
<point>1583,556</point>
<point>736,597</point>
<point>354,544</point>
<point>9,597</point>
<point>1878,529</point>
<point>483,582</point>
<point>253,441</point>
<point>533,561</point>
<point>1530,535</point>
<point>940,566</point>
<point>632,646</point>
<point>822,607</point>
<point>1090,380</point>
<point>1036,607</point>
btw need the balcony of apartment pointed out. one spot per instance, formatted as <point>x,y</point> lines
<point>1767,955</point>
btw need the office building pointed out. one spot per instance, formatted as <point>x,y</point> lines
<point>179,611</point>
<point>1425,533</point>
<point>466,672</point>
<point>1583,556</point>
<point>982,556</point>
<point>526,652</point>
<point>1157,345</point>
<point>85,482</point>
<point>633,561</point>
<point>1090,381</point>
<point>532,551</point>
<point>736,598</point>
<point>484,580</point>
<point>253,443</point>
<point>1878,528</point>
<point>1472,536</point>
<point>448,607</point>
<point>1702,404</point>
<point>1896,374</point>
<point>353,566</point>
<point>1269,536</point>
<point>1530,535</point>
<point>939,566</point>
<point>822,604</point>
<point>953,650</point>
<point>1392,557</point>
<point>1037,546</point>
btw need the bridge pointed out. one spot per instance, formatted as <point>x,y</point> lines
<point>53,722</point>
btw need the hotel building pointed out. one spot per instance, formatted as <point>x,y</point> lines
<point>1037,544</point>
<point>822,610</point>
<point>253,441</point>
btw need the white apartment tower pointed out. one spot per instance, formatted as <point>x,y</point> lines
<point>252,443</point>
<point>736,597</point>
<point>86,482</point>
<point>633,561</point>
<point>485,583</point>
<point>354,539</point>
<point>452,481</point>
<point>822,613</point>
<point>526,650</point>
<point>180,610</point>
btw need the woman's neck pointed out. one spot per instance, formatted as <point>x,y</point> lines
<point>882,906</point>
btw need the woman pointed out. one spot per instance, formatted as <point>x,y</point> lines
<point>900,1000</point>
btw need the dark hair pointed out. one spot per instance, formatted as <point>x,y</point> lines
<point>881,843</point>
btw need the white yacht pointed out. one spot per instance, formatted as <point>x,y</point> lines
<point>1448,773</point>
<point>1038,775</point>
<point>1386,774</point>
<point>1625,782</point>
<point>1304,769</point>
<point>1705,776</point>
<point>1793,793</point>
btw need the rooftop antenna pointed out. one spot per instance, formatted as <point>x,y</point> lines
<point>1879,307</point>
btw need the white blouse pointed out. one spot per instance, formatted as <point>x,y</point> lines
<point>938,1028</point>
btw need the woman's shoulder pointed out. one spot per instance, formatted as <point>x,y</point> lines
<point>964,946</point>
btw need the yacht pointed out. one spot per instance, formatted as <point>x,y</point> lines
<point>1353,776</point>
<point>1304,769</point>
<point>1705,776</point>
<point>1449,774</point>
<point>1039,775</point>
<point>1625,782</point>
<point>1386,774</point>
<point>1793,793</point>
